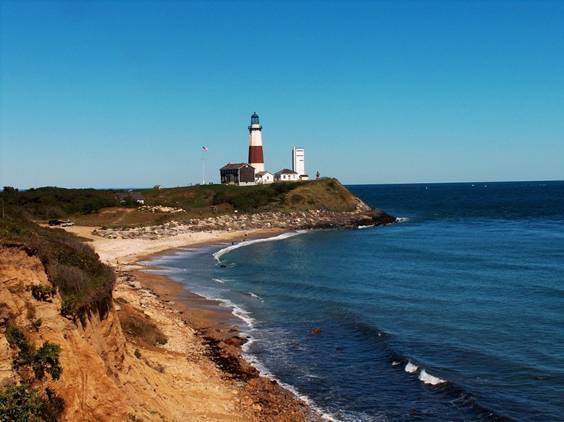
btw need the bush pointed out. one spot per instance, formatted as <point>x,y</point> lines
<point>46,359</point>
<point>24,403</point>
<point>141,328</point>
<point>17,339</point>
<point>43,293</point>
<point>137,354</point>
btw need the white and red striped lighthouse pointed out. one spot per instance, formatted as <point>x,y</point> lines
<point>256,158</point>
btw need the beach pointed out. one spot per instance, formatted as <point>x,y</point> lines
<point>204,376</point>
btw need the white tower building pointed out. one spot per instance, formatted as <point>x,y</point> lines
<point>256,158</point>
<point>298,161</point>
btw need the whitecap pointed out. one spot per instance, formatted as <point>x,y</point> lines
<point>217,255</point>
<point>402,219</point>
<point>239,312</point>
<point>256,296</point>
<point>411,368</point>
<point>365,227</point>
<point>427,378</point>
<point>218,280</point>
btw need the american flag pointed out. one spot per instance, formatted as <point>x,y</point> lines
<point>205,149</point>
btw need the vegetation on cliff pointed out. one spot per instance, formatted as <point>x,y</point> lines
<point>26,401</point>
<point>117,208</point>
<point>84,283</point>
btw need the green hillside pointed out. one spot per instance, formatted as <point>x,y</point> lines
<point>117,208</point>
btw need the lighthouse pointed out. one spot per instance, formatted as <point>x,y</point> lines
<point>256,158</point>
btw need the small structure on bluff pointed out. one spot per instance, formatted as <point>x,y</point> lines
<point>264,177</point>
<point>286,175</point>
<point>298,163</point>
<point>237,174</point>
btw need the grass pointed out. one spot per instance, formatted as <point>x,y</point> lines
<point>91,207</point>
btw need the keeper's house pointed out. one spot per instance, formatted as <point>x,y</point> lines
<point>264,178</point>
<point>286,175</point>
<point>237,174</point>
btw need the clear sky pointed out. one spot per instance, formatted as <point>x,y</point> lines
<point>125,93</point>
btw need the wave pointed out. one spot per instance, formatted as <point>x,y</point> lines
<point>365,227</point>
<point>430,379</point>
<point>263,371</point>
<point>257,297</point>
<point>402,219</point>
<point>424,376</point>
<point>218,280</point>
<point>217,255</point>
<point>410,368</point>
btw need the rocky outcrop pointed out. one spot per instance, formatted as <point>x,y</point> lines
<point>295,220</point>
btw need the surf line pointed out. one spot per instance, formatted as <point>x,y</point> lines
<point>217,255</point>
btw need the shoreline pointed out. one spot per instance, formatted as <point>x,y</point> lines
<point>216,326</point>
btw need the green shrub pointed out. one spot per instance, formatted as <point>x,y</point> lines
<point>43,293</point>
<point>24,403</point>
<point>17,339</point>
<point>137,354</point>
<point>46,359</point>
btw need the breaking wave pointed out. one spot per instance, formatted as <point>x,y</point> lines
<point>257,297</point>
<point>217,255</point>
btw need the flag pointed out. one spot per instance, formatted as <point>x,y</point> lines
<point>205,149</point>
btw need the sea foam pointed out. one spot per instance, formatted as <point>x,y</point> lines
<point>427,378</point>
<point>230,248</point>
<point>411,368</point>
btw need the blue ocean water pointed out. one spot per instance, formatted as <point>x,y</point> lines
<point>457,313</point>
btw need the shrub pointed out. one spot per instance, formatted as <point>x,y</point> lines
<point>296,199</point>
<point>24,403</point>
<point>140,327</point>
<point>43,293</point>
<point>17,339</point>
<point>37,324</point>
<point>137,354</point>
<point>46,359</point>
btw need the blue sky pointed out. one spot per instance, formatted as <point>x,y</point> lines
<point>118,94</point>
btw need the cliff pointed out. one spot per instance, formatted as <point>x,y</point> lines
<point>131,357</point>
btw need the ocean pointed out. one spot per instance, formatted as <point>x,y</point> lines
<point>456,313</point>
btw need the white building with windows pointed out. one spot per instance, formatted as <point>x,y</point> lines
<point>298,163</point>
<point>286,175</point>
<point>264,178</point>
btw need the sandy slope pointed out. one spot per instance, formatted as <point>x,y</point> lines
<point>179,381</point>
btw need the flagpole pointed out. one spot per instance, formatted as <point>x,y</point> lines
<point>204,150</point>
<point>203,167</point>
